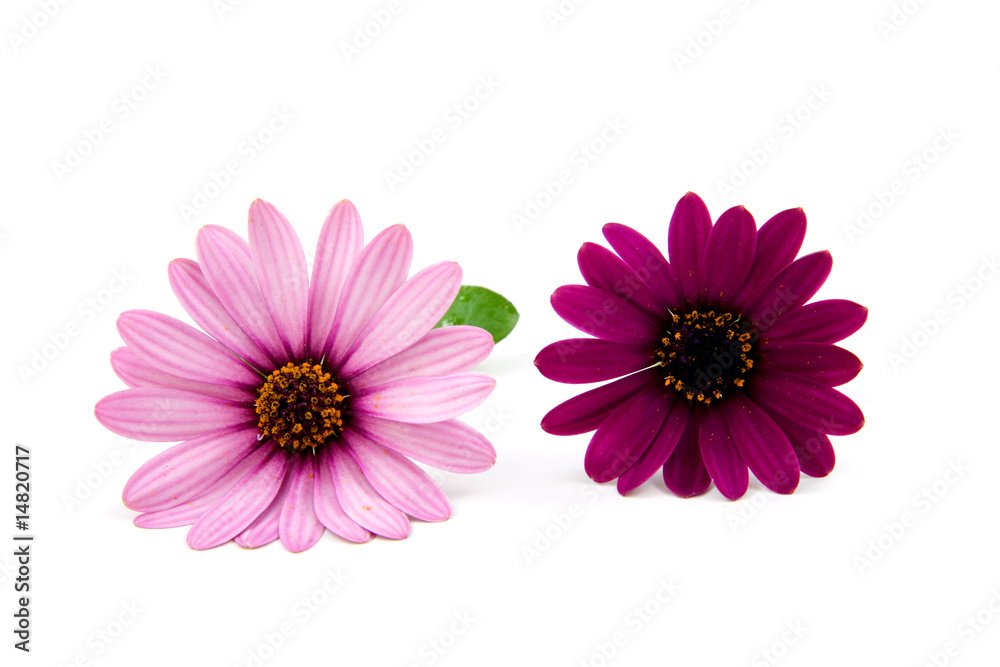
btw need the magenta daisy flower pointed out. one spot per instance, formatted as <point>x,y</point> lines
<point>302,408</point>
<point>727,369</point>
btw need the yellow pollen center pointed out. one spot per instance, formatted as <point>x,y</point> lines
<point>299,407</point>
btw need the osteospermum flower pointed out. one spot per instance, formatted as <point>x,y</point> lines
<point>302,407</point>
<point>726,365</point>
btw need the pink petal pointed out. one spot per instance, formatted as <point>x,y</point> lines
<point>440,352</point>
<point>299,527</point>
<point>154,414</point>
<point>137,373</point>
<point>684,472</point>
<point>199,301</point>
<point>264,529</point>
<point>687,235</point>
<point>728,255</point>
<point>340,242</point>
<point>185,470</point>
<point>361,502</point>
<point>807,402</point>
<point>181,350</point>
<point>187,513</point>
<point>280,266</point>
<point>226,264</point>
<point>327,507</point>
<point>405,317</point>
<point>449,445</point>
<point>659,450</point>
<point>420,400</point>
<point>722,459</point>
<point>379,271</point>
<point>398,480</point>
<point>761,443</point>
<point>829,364</point>
<point>240,506</point>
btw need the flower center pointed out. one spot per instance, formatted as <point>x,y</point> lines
<point>706,355</point>
<point>298,405</point>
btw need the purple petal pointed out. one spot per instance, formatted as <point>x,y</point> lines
<point>449,445</point>
<point>327,507</point>
<point>378,272</point>
<point>187,513</point>
<point>340,243</point>
<point>440,352</point>
<point>181,350</point>
<point>604,270</point>
<point>264,529</point>
<point>792,287</point>
<point>182,472</point>
<point>722,459</point>
<point>199,301</point>
<point>814,450</point>
<point>137,373</point>
<point>420,400</point>
<point>806,402</point>
<point>299,526</point>
<point>827,321</point>
<point>398,480</point>
<point>648,263</point>
<point>627,432</point>
<point>404,318</point>
<point>659,450</point>
<point>827,363</point>
<point>579,360</point>
<point>279,264</point>
<point>778,241</point>
<point>728,255</point>
<point>604,315</point>
<point>153,414</point>
<point>690,226</point>
<point>361,502</point>
<point>761,443</point>
<point>684,472</point>
<point>240,506</point>
<point>227,266</point>
<point>586,411</point>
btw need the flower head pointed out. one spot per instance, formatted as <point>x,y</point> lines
<point>727,368</point>
<point>302,406</point>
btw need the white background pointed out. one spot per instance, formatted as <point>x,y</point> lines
<point>834,560</point>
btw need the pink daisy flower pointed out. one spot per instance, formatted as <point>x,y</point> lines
<point>724,366</point>
<point>302,407</point>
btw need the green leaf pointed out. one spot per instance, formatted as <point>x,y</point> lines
<point>483,308</point>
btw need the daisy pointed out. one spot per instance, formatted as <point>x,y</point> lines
<point>302,406</point>
<point>727,369</point>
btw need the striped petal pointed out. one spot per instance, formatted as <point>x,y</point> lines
<point>420,400</point>
<point>340,243</point>
<point>154,414</point>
